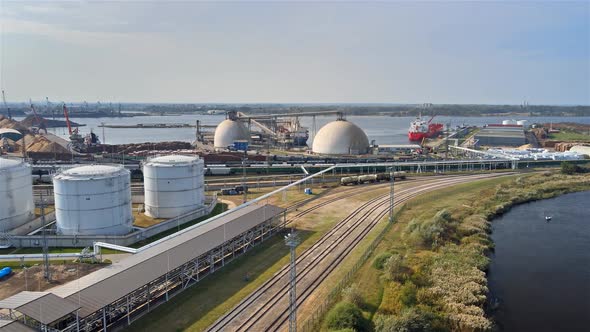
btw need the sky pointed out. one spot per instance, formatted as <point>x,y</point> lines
<point>296,52</point>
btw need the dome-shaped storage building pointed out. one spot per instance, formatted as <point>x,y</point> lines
<point>173,185</point>
<point>340,137</point>
<point>16,194</point>
<point>93,200</point>
<point>229,131</point>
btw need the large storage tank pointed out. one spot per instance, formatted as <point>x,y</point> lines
<point>340,137</point>
<point>173,185</point>
<point>93,200</point>
<point>522,123</point>
<point>508,122</point>
<point>16,194</point>
<point>229,131</point>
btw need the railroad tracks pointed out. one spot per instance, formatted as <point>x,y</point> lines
<point>266,309</point>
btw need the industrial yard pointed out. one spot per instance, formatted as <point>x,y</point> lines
<point>178,213</point>
<point>381,166</point>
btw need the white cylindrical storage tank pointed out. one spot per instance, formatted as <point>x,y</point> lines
<point>93,200</point>
<point>522,123</point>
<point>505,122</point>
<point>173,185</point>
<point>229,131</point>
<point>16,194</point>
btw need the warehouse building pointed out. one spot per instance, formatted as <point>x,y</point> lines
<point>501,135</point>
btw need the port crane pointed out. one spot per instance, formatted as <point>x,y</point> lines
<point>75,137</point>
<point>40,122</point>
<point>6,105</point>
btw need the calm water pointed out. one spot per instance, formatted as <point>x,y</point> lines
<point>540,270</point>
<point>382,129</point>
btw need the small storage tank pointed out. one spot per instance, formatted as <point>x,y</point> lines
<point>16,194</point>
<point>508,122</point>
<point>522,123</point>
<point>173,185</point>
<point>229,131</point>
<point>93,200</point>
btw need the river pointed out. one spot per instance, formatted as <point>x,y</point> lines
<point>382,129</point>
<point>540,271</point>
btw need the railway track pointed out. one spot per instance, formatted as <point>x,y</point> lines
<point>266,309</point>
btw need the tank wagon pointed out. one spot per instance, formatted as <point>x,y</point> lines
<point>371,178</point>
<point>173,185</point>
<point>16,194</point>
<point>93,200</point>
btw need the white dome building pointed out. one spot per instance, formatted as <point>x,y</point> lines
<point>229,131</point>
<point>340,137</point>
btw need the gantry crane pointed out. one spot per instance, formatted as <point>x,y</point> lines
<point>6,106</point>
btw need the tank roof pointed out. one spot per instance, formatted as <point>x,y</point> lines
<point>91,171</point>
<point>171,160</point>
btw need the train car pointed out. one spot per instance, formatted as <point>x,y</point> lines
<point>399,175</point>
<point>352,180</point>
<point>218,170</point>
<point>383,177</point>
<point>367,178</point>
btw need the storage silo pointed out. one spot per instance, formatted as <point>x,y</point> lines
<point>522,123</point>
<point>16,194</point>
<point>340,137</point>
<point>229,131</point>
<point>93,200</point>
<point>173,185</point>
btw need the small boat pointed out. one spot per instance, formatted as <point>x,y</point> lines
<point>547,218</point>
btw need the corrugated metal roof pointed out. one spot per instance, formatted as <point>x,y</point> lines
<point>14,326</point>
<point>48,308</point>
<point>106,285</point>
<point>43,307</point>
<point>20,299</point>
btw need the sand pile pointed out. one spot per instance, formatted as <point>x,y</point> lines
<point>7,123</point>
<point>42,144</point>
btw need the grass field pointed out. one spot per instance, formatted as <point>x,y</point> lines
<point>569,136</point>
<point>384,298</point>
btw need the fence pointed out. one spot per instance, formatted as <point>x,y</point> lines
<point>313,322</point>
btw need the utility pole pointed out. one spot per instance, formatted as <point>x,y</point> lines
<point>245,199</point>
<point>292,240</point>
<point>46,272</point>
<point>392,173</point>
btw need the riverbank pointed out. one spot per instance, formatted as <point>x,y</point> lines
<point>429,272</point>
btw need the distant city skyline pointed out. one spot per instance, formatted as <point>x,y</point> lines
<point>297,52</point>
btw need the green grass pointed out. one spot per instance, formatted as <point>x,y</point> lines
<point>565,135</point>
<point>486,197</point>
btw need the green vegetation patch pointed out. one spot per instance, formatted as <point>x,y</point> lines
<point>429,271</point>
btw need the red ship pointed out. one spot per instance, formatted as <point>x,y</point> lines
<point>420,129</point>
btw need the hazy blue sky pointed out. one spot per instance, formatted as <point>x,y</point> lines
<point>398,52</point>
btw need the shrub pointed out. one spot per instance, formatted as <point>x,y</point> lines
<point>353,295</point>
<point>569,168</point>
<point>395,268</point>
<point>346,315</point>
<point>410,320</point>
<point>408,294</point>
<point>380,261</point>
